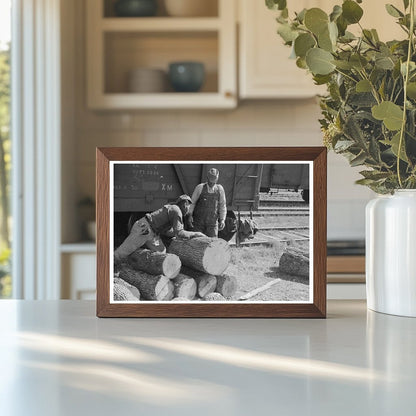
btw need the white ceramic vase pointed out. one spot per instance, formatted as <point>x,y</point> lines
<point>391,253</point>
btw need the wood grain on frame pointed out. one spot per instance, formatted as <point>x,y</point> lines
<point>317,309</point>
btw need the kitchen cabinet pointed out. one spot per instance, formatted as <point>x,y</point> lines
<point>78,263</point>
<point>118,45</point>
<point>265,70</point>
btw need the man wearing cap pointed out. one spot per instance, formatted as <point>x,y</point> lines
<point>209,208</point>
<point>167,221</point>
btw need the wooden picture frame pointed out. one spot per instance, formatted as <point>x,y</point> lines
<point>110,160</point>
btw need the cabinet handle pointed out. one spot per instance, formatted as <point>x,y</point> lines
<point>229,94</point>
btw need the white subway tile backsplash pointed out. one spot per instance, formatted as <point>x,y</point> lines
<point>156,119</point>
<point>169,138</point>
<point>202,120</point>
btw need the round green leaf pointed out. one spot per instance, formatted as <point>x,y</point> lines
<point>391,114</point>
<point>384,62</point>
<point>325,42</point>
<point>301,63</point>
<point>393,11</point>
<point>303,43</point>
<point>287,33</point>
<point>344,65</point>
<point>363,86</point>
<point>316,20</point>
<point>358,61</point>
<point>411,90</point>
<point>336,12</point>
<point>319,61</point>
<point>276,4</point>
<point>351,11</point>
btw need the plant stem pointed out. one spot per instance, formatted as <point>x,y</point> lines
<point>405,81</point>
<point>346,75</point>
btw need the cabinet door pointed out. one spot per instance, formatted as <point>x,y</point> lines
<point>78,276</point>
<point>266,71</point>
<point>265,68</point>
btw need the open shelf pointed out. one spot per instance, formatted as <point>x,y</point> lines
<point>160,24</point>
<point>210,9</point>
<point>118,45</point>
<point>127,51</point>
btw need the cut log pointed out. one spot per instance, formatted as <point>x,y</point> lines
<point>151,287</point>
<point>209,255</point>
<point>226,285</point>
<point>294,263</point>
<point>123,291</point>
<point>185,287</point>
<point>206,283</point>
<point>214,297</point>
<point>155,263</point>
<point>180,300</point>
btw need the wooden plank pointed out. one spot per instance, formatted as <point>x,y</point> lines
<point>259,289</point>
<point>346,264</point>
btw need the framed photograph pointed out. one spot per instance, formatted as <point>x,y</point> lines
<point>211,232</point>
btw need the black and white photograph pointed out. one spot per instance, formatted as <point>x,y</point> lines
<point>211,232</point>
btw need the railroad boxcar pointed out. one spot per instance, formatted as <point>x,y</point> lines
<point>286,176</point>
<point>145,187</point>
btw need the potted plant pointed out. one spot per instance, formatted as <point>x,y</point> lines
<point>368,116</point>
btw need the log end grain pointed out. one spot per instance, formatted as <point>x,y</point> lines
<point>295,264</point>
<point>171,266</point>
<point>151,287</point>
<point>226,285</point>
<point>123,291</point>
<point>184,287</point>
<point>164,289</point>
<point>217,257</point>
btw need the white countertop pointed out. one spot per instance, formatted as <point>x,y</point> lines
<point>57,358</point>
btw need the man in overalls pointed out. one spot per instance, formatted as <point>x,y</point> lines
<point>209,208</point>
<point>146,232</point>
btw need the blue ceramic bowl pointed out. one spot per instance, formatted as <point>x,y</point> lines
<point>135,8</point>
<point>186,76</point>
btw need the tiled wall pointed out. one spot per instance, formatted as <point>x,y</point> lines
<point>253,123</point>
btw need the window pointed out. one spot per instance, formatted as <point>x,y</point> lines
<point>5,147</point>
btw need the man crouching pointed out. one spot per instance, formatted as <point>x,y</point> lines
<point>146,231</point>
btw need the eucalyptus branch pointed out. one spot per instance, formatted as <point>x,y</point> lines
<point>346,75</point>
<point>373,88</point>
<point>406,79</point>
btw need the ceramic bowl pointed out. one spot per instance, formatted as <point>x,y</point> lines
<point>186,76</point>
<point>147,80</point>
<point>135,8</point>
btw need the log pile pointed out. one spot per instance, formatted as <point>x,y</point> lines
<point>205,259</point>
<point>193,269</point>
